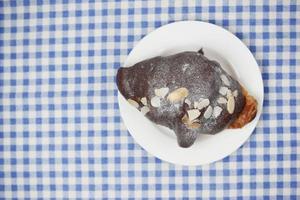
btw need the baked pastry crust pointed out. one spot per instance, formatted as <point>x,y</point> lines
<point>248,113</point>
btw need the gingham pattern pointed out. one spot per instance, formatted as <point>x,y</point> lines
<point>61,131</point>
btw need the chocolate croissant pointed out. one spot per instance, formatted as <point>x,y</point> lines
<point>187,93</point>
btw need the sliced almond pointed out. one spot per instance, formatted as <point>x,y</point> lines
<point>188,102</point>
<point>222,100</point>
<point>204,103</point>
<point>196,104</point>
<point>190,124</point>
<point>223,90</point>
<point>229,93</point>
<point>193,114</point>
<point>194,125</point>
<point>185,119</point>
<point>145,110</point>
<point>235,93</point>
<point>230,104</point>
<point>155,101</point>
<point>225,80</point>
<point>217,111</point>
<point>144,101</point>
<point>208,112</point>
<point>161,92</point>
<point>178,94</point>
<point>133,103</point>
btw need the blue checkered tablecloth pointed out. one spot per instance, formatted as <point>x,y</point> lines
<point>61,134</point>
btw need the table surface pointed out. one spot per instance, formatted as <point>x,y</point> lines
<point>61,131</point>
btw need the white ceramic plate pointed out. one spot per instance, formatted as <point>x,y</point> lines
<point>218,44</point>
